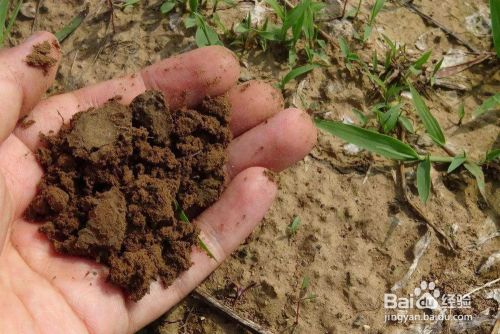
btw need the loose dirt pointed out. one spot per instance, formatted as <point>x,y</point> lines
<point>40,57</point>
<point>114,176</point>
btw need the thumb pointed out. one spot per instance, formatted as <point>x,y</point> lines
<point>26,72</point>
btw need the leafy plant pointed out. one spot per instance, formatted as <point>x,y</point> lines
<point>489,104</point>
<point>384,145</point>
<point>424,179</point>
<point>168,6</point>
<point>430,123</point>
<point>294,73</point>
<point>456,162</point>
<point>6,22</point>
<point>205,35</point>
<point>293,227</point>
<point>377,7</point>
<point>492,155</point>
<point>347,53</point>
<point>303,296</point>
<point>293,25</point>
<point>416,67</point>
<point>129,3</point>
<point>395,149</point>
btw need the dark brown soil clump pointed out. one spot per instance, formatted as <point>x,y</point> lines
<point>112,179</point>
<point>40,57</point>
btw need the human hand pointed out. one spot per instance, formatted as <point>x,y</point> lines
<point>45,292</point>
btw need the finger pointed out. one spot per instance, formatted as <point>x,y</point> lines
<point>22,85</point>
<point>184,79</point>
<point>6,209</point>
<point>275,144</point>
<point>252,103</point>
<point>225,225</point>
<point>21,171</point>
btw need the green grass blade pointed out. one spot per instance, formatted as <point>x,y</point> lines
<point>278,9</point>
<point>184,218</point>
<point>488,104</point>
<point>391,118</point>
<point>361,116</point>
<point>205,248</point>
<point>62,34</point>
<point>375,10</point>
<point>424,179</point>
<point>492,155</point>
<point>4,8</point>
<point>435,70</point>
<point>294,226</point>
<point>205,35</point>
<point>476,170</point>
<point>495,24</point>
<point>422,60</point>
<point>297,72</point>
<point>193,6</point>
<point>305,283</point>
<point>456,162</point>
<point>406,123</point>
<point>13,17</point>
<point>167,7</point>
<point>375,142</point>
<point>344,47</point>
<point>430,123</point>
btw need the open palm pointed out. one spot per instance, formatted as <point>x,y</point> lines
<point>44,292</point>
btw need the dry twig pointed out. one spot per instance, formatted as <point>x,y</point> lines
<point>452,70</point>
<point>409,4</point>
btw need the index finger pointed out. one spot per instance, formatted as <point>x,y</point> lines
<point>184,79</point>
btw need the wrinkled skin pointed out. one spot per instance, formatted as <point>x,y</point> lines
<point>44,292</point>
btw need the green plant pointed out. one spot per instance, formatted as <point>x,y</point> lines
<point>184,218</point>
<point>349,56</point>
<point>293,25</point>
<point>167,6</point>
<point>292,229</point>
<point>492,155</point>
<point>129,3</point>
<point>205,35</point>
<point>294,73</point>
<point>430,123</point>
<point>495,24</point>
<point>303,296</point>
<point>6,21</point>
<point>68,29</point>
<point>395,149</point>
<point>368,27</point>
<point>488,104</point>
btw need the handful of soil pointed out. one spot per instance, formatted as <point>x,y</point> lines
<point>114,177</point>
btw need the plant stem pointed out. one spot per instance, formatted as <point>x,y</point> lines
<point>440,159</point>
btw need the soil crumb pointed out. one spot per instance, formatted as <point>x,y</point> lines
<point>25,123</point>
<point>113,179</point>
<point>40,57</point>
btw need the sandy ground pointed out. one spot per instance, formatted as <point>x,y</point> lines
<point>358,237</point>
